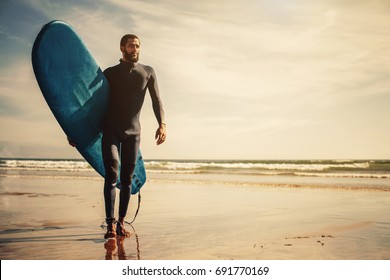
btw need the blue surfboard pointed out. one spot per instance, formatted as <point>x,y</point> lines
<point>76,91</point>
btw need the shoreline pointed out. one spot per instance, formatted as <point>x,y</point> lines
<point>277,181</point>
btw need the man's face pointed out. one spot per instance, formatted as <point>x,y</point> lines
<point>131,50</point>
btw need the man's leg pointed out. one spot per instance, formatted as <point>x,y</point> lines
<point>110,153</point>
<point>129,153</point>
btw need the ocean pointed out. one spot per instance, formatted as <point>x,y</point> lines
<point>363,174</point>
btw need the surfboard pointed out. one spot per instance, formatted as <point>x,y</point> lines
<point>76,91</point>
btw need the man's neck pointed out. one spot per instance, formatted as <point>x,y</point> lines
<point>133,64</point>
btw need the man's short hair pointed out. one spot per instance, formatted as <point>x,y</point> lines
<point>126,37</point>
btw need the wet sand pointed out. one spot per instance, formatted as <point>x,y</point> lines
<point>46,218</point>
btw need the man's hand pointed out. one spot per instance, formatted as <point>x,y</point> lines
<point>73,144</point>
<point>161,134</point>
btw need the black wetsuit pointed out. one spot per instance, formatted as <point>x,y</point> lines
<point>121,133</point>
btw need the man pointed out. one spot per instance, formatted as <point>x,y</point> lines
<point>129,81</point>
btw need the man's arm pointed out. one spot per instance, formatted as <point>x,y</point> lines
<point>157,108</point>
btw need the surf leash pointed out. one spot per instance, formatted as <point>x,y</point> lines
<point>136,212</point>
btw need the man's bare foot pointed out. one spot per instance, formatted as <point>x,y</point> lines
<point>120,230</point>
<point>110,230</point>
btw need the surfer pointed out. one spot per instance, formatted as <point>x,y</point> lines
<point>129,81</point>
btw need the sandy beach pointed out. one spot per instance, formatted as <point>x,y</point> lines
<point>60,218</point>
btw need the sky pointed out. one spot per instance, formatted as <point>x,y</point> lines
<point>248,79</point>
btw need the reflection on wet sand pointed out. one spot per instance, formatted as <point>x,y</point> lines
<point>115,248</point>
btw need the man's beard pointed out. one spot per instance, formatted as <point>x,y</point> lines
<point>131,57</point>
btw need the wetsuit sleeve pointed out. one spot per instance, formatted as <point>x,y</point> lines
<point>156,100</point>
